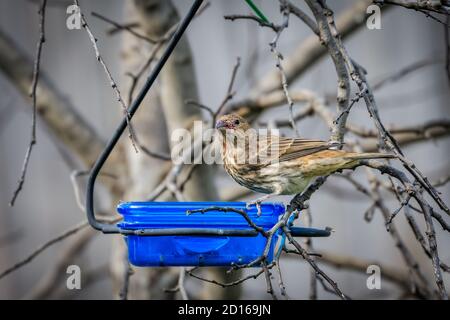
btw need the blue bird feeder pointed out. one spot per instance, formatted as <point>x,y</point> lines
<point>213,238</point>
<point>196,250</point>
<point>162,234</point>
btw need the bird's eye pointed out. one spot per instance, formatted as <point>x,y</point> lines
<point>236,122</point>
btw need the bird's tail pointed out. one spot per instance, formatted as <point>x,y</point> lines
<point>353,159</point>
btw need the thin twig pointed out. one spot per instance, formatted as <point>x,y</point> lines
<point>420,238</point>
<point>181,287</point>
<point>280,279</point>
<point>447,47</point>
<point>230,93</point>
<point>233,283</point>
<point>426,209</point>
<point>309,247</point>
<point>346,111</point>
<point>123,294</point>
<point>228,96</point>
<point>301,15</point>
<point>43,247</point>
<point>394,214</point>
<point>124,27</point>
<point>445,226</point>
<point>268,276</point>
<point>36,69</point>
<point>180,284</point>
<point>358,75</point>
<point>418,5</point>
<point>74,180</point>
<point>69,232</point>
<point>403,72</point>
<point>112,82</point>
<point>261,22</point>
<point>386,138</point>
<point>201,106</point>
<point>305,256</point>
<point>279,58</point>
<point>153,154</point>
<point>230,209</point>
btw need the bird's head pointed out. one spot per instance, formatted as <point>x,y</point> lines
<point>232,121</point>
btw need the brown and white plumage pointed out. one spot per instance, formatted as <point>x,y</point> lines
<point>279,165</point>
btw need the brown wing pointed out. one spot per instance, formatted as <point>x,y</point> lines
<point>296,148</point>
<point>272,147</point>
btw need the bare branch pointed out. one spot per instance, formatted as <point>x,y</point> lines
<point>230,93</point>
<point>69,232</point>
<point>268,275</point>
<point>123,294</point>
<point>60,117</point>
<point>36,69</point>
<point>202,106</point>
<point>230,209</point>
<point>280,279</point>
<point>433,6</point>
<point>124,27</point>
<point>331,38</point>
<point>180,285</point>
<point>340,261</point>
<point>309,248</point>
<point>49,282</point>
<point>305,256</point>
<point>109,75</point>
<point>279,57</point>
<point>311,51</point>
<point>403,72</point>
<point>447,47</point>
<point>301,15</point>
<point>261,22</point>
<point>418,234</point>
<point>427,215</point>
<point>233,283</point>
<point>43,247</point>
<point>151,153</point>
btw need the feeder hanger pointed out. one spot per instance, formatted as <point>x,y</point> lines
<point>108,228</point>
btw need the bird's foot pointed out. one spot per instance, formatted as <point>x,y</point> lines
<point>257,203</point>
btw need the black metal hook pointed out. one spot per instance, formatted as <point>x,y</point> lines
<point>104,227</point>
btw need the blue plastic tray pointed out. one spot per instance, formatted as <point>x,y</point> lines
<point>195,250</point>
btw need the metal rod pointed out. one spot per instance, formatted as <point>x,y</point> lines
<point>257,11</point>
<point>295,231</point>
<point>107,228</point>
<point>309,232</point>
<point>191,232</point>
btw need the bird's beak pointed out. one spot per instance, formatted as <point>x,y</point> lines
<point>221,124</point>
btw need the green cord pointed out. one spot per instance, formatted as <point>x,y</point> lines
<point>257,11</point>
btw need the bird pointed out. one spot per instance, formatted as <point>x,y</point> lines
<point>273,165</point>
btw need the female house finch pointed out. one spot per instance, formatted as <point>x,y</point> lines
<point>277,165</point>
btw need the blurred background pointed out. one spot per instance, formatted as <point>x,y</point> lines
<point>47,204</point>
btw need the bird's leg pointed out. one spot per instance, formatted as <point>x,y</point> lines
<point>258,201</point>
